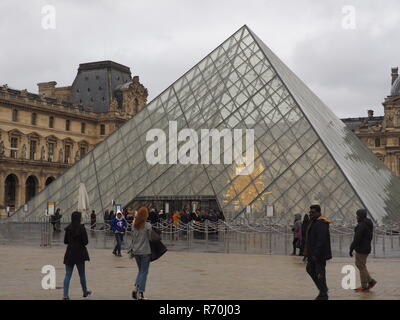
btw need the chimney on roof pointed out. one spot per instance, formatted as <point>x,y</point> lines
<point>370,113</point>
<point>395,74</point>
<point>46,89</point>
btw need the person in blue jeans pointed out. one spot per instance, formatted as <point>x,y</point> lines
<point>118,225</point>
<point>140,250</point>
<point>76,240</point>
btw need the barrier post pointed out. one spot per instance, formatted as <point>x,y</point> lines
<point>228,239</point>
<point>286,239</point>
<point>374,242</point>
<point>206,234</point>
<point>383,241</point>
<point>391,238</point>
<point>270,237</point>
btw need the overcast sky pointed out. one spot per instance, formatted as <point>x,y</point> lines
<point>349,69</point>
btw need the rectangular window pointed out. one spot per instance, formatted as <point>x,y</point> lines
<point>67,153</point>
<point>67,125</point>
<point>32,151</point>
<point>33,119</point>
<point>82,152</point>
<point>15,115</point>
<point>377,142</point>
<point>51,122</point>
<point>83,127</point>
<point>102,129</point>
<point>50,152</point>
<point>14,144</point>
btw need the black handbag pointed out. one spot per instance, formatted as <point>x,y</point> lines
<point>157,249</point>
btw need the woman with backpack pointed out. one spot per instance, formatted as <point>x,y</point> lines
<point>76,240</point>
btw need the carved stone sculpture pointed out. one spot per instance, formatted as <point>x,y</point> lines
<point>42,153</point>
<point>2,148</point>
<point>60,155</point>
<point>23,152</point>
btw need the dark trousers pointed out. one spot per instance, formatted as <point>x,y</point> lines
<point>119,237</point>
<point>68,274</point>
<point>302,247</point>
<point>316,270</point>
<point>294,243</point>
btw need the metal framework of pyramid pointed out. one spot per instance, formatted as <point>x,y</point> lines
<point>304,154</point>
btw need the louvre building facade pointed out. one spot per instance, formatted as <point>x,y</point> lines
<point>303,154</point>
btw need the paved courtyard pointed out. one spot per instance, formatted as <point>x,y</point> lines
<point>183,275</point>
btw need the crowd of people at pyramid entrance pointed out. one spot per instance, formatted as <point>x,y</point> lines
<point>175,218</point>
<point>311,236</point>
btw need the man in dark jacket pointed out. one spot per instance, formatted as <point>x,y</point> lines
<point>361,244</point>
<point>153,217</point>
<point>318,250</point>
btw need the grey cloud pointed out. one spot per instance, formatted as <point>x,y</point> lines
<point>160,40</point>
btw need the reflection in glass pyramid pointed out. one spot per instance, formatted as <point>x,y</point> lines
<point>303,153</point>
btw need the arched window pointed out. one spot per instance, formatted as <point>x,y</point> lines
<point>49,180</point>
<point>10,191</point>
<point>31,187</point>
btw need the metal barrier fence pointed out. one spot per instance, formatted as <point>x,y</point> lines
<point>45,233</point>
<point>260,237</point>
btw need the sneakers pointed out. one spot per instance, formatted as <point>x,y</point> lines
<point>141,296</point>
<point>65,298</point>
<point>114,253</point>
<point>135,293</point>
<point>372,283</point>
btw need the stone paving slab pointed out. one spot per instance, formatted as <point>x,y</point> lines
<point>185,275</point>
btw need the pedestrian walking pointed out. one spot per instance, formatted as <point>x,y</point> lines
<point>296,233</point>
<point>153,216</point>
<point>119,226</point>
<point>56,221</point>
<point>112,216</point>
<point>141,251</point>
<point>76,240</point>
<point>318,250</point>
<point>93,220</point>
<point>106,218</point>
<point>162,217</point>
<point>185,219</point>
<point>363,234</point>
<point>304,226</point>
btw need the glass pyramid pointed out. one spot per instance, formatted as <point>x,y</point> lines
<point>303,154</point>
